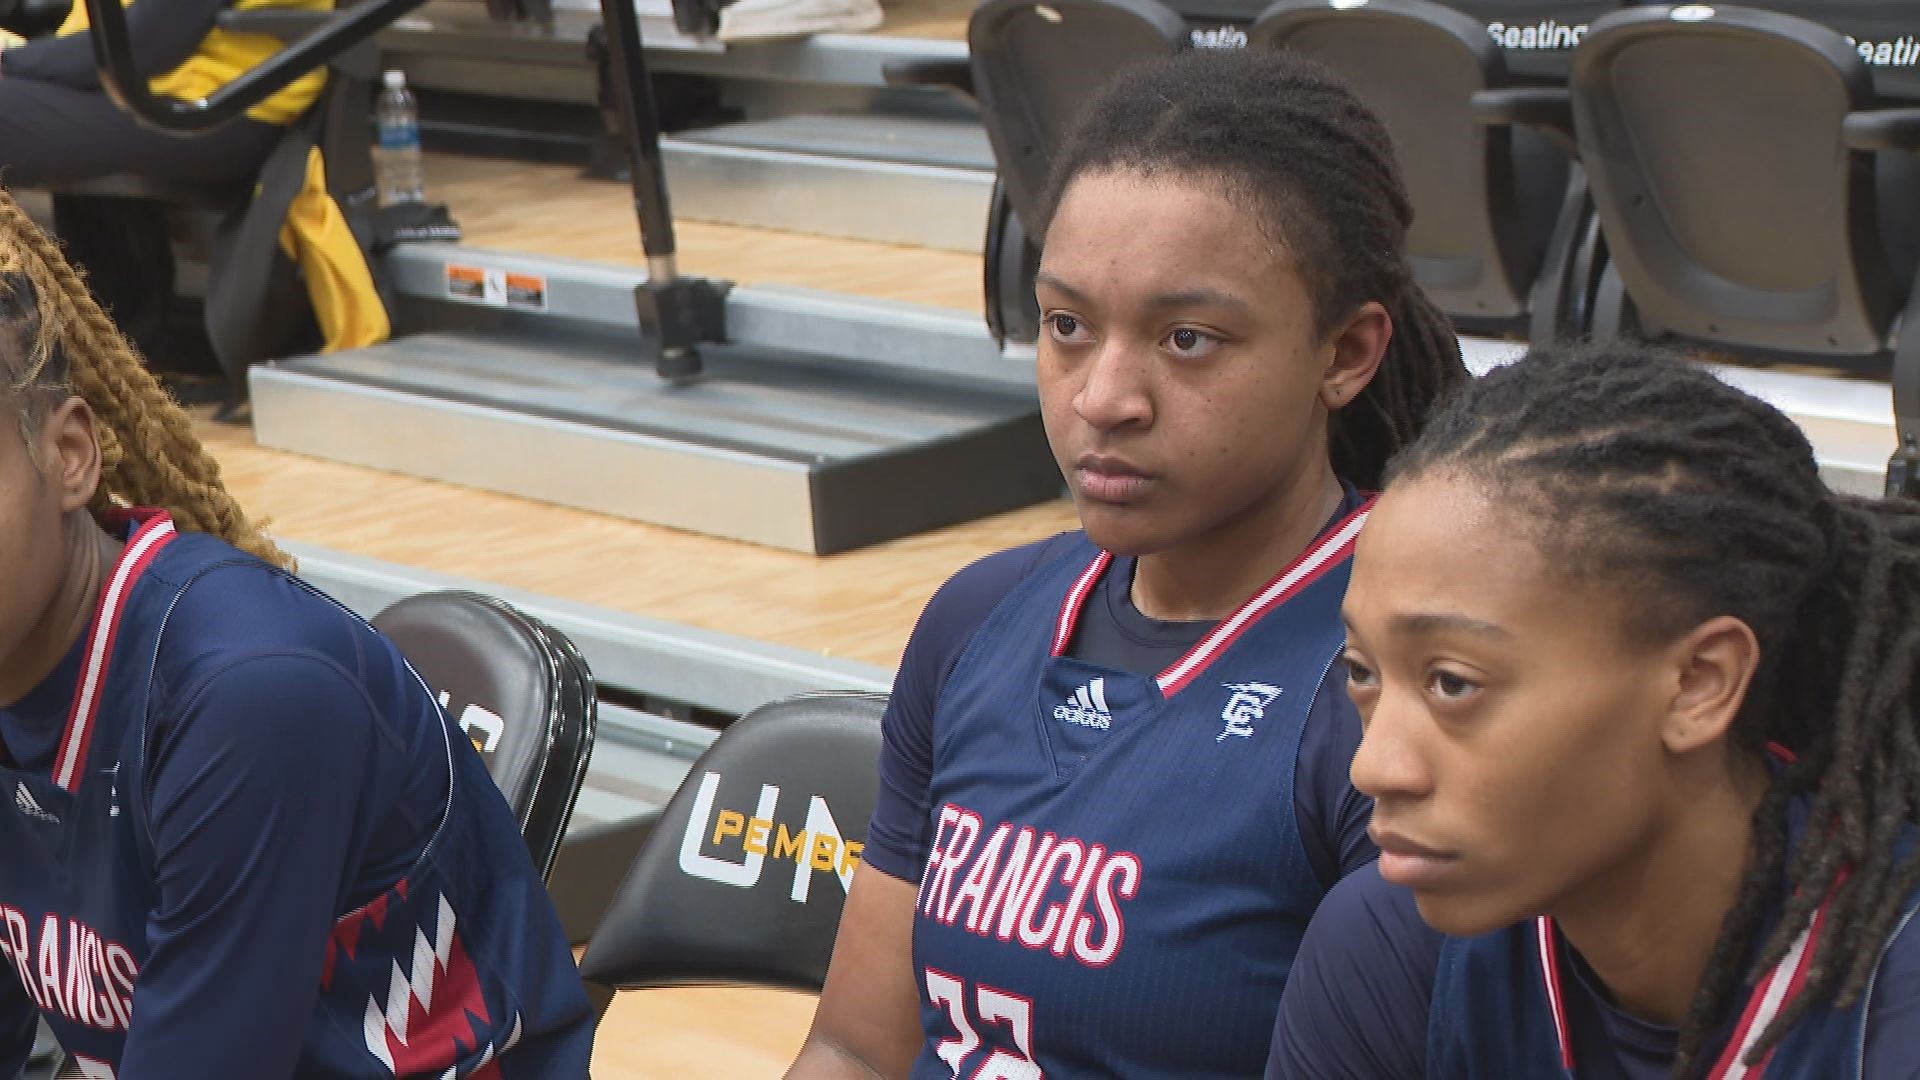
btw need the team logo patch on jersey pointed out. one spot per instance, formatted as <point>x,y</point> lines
<point>1087,707</point>
<point>1248,703</point>
<point>24,801</point>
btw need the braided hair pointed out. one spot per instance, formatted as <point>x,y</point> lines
<point>1286,138</point>
<point>55,341</point>
<point>1641,468</point>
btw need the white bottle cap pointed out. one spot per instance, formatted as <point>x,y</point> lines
<point>395,80</point>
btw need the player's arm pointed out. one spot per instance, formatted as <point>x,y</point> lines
<point>1358,995</point>
<point>868,1020</point>
<point>256,791</point>
<point>1332,815</point>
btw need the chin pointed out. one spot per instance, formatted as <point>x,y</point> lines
<point>1118,528</point>
<point>1464,916</point>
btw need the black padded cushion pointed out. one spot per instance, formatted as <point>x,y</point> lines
<point>520,691</point>
<point>671,927</point>
<point>1741,218</point>
<point>1475,245</point>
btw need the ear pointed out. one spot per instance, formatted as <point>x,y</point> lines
<point>1358,346</point>
<point>70,454</point>
<point>1715,663</point>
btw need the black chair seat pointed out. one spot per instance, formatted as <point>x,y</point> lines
<point>521,692</point>
<point>743,879</point>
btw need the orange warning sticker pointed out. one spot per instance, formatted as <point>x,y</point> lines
<point>527,291</point>
<point>496,288</point>
<point>466,282</point>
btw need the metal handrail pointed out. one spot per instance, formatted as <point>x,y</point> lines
<point>113,52</point>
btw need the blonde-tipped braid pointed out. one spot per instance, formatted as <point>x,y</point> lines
<point>149,453</point>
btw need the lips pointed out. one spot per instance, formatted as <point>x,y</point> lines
<point>1408,863</point>
<point>1109,479</point>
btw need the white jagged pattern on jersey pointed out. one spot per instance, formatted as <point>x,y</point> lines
<point>433,1014</point>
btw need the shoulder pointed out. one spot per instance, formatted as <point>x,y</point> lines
<point>241,632</point>
<point>960,605</point>
<point>973,592</point>
<point>233,610</point>
<point>1358,996</point>
<point>1364,916</point>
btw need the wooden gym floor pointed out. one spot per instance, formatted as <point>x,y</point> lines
<point>860,605</point>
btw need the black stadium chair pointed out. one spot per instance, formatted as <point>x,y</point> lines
<point>521,692</point>
<point>743,879</point>
<point>1732,155</point>
<point>1034,66</point>
<point>1499,204</point>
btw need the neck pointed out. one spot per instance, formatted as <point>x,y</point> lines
<point>1209,577</point>
<point>91,552</point>
<point>1648,930</point>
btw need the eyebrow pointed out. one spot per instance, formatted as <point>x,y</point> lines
<point>1438,623</point>
<point>1202,297</point>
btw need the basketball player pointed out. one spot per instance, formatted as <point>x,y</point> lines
<point>1640,727</point>
<point>240,838</point>
<point>1114,784</point>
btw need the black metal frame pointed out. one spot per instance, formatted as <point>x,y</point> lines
<point>334,35</point>
<point>678,313</point>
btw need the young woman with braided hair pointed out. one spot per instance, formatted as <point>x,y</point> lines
<point>1114,784</point>
<point>230,813</point>
<point>1640,728</point>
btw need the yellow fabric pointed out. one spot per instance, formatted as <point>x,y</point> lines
<point>224,56</point>
<point>338,281</point>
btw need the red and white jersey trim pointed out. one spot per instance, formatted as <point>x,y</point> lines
<point>1780,986</point>
<point>1333,547</point>
<point>153,534</point>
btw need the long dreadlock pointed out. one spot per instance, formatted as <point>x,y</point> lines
<point>55,341</point>
<point>1284,135</point>
<point>1644,469</point>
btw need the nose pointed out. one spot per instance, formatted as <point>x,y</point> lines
<point>1389,764</point>
<point>1114,390</point>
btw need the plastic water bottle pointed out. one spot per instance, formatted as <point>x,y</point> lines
<point>396,157</point>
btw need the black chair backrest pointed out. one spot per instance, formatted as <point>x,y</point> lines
<point>1035,64</point>
<point>1734,212</point>
<point>743,879</point>
<point>521,692</point>
<point>1485,198</point>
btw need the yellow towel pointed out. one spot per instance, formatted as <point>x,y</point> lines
<point>339,282</point>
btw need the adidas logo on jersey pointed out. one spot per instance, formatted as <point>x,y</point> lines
<point>30,806</point>
<point>1087,707</point>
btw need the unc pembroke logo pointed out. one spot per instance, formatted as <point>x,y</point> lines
<point>818,847</point>
<point>1248,703</point>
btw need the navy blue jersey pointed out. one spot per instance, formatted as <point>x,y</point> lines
<point>242,840</point>
<point>1376,993</point>
<point>1115,881</point>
